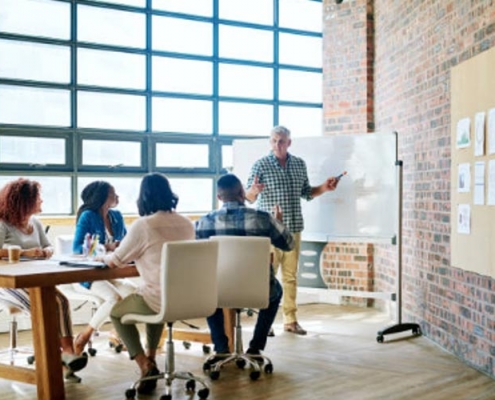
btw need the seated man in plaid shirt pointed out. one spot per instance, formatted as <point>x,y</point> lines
<point>235,219</point>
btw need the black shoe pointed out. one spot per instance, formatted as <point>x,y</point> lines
<point>271,333</point>
<point>255,355</point>
<point>147,386</point>
<point>219,356</point>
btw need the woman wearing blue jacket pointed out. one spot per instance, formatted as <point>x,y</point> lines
<point>97,218</point>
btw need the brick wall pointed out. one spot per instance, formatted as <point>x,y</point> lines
<point>416,44</point>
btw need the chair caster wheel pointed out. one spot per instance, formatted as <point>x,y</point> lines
<point>203,393</point>
<point>130,393</point>
<point>166,397</point>
<point>268,368</point>
<point>187,345</point>
<point>254,375</point>
<point>191,385</point>
<point>240,364</point>
<point>214,375</point>
<point>206,349</point>
<point>206,367</point>
<point>379,338</point>
<point>92,352</point>
<point>30,360</point>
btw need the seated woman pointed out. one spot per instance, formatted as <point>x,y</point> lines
<point>97,217</point>
<point>143,244</point>
<point>19,201</point>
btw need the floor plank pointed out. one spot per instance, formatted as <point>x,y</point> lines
<point>338,359</point>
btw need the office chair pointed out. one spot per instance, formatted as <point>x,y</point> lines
<point>13,350</point>
<point>189,290</point>
<point>243,283</point>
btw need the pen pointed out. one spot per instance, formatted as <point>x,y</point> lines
<point>47,229</point>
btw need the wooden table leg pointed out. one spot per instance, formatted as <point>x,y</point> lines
<point>49,380</point>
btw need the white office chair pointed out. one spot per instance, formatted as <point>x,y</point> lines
<point>243,283</point>
<point>13,350</point>
<point>189,290</point>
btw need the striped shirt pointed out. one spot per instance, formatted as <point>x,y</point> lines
<point>284,186</point>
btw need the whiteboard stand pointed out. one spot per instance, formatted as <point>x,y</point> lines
<point>399,326</point>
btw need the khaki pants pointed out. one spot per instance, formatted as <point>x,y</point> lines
<point>288,262</point>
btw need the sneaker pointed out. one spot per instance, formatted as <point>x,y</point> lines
<point>255,355</point>
<point>294,327</point>
<point>219,356</point>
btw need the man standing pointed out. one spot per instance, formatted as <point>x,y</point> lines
<point>278,182</point>
<point>235,219</point>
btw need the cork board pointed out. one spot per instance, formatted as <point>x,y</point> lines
<point>472,92</point>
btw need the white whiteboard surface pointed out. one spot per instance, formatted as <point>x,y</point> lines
<point>364,206</point>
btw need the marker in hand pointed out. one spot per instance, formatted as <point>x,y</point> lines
<point>341,175</point>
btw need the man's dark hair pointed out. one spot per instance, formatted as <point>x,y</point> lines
<point>156,195</point>
<point>229,187</point>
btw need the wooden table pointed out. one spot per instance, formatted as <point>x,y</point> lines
<point>40,277</point>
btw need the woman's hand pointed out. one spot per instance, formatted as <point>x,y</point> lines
<point>112,246</point>
<point>47,252</point>
<point>35,252</point>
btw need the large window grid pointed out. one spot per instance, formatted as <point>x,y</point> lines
<point>134,107</point>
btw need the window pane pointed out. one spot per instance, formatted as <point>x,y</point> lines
<point>301,14</point>
<point>245,81</point>
<point>301,50</point>
<point>34,106</point>
<point>35,18</point>
<point>187,76</point>
<point>302,121</point>
<point>301,86</point>
<point>246,43</point>
<point>197,7</point>
<point>134,3</point>
<point>227,157</point>
<point>111,111</point>
<point>188,189</point>
<point>182,115</point>
<point>245,119</point>
<point>112,27</point>
<point>182,36</point>
<point>111,153</point>
<point>26,150</point>
<point>256,11</point>
<point>55,191</point>
<point>182,155</point>
<point>52,62</point>
<point>111,69</point>
<point>127,189</point>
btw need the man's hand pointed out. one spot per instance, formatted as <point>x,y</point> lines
<point>277,213</point>
<point>331,183</point>
<point>255,189</point>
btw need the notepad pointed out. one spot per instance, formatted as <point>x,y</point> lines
<point>83,264</point>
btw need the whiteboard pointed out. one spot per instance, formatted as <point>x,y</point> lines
<point>364,206</point>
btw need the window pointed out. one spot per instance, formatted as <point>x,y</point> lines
<point>115,89</point>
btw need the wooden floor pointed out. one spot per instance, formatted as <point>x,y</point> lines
<point>339,359</point>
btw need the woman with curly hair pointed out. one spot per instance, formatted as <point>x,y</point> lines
<point>20,200</point>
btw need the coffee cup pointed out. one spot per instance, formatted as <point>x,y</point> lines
<point>14,253</point>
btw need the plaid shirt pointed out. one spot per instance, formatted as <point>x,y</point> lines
<point>235,219</point>
<point>283,186</point>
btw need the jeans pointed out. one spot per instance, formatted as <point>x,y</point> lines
<point>263,323</point>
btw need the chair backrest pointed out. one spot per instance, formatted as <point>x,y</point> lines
<point>63,244</point>
<point>243,271</point>
<point>189,279</point>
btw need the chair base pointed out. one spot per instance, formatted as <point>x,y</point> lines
<point>241,359</point>
<point>170,375</point>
